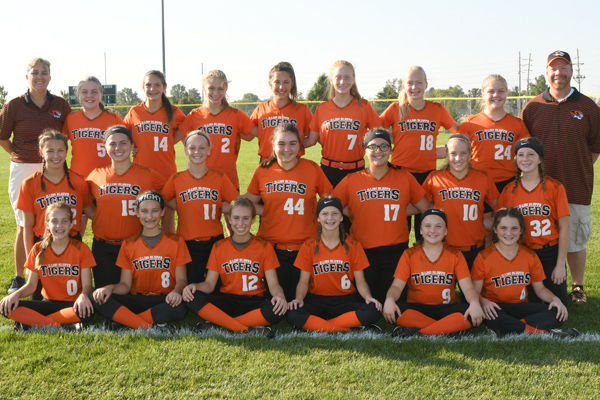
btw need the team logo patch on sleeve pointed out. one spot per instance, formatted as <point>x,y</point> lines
<point>576,114</point>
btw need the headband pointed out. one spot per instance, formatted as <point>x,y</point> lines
<point>435,211</point>
<point>118,129</point>
<point>152,196</point>
<point>535,145</point>
<point>329,202</point>
<point>377,133</point>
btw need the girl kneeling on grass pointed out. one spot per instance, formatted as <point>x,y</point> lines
<point>502,272</point>
<point>243,263</point>
<point>63,265</point>
<point>153,274</point>
<point>431,269</point>
<point>329,265</point>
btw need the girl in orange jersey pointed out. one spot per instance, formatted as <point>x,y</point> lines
<point>85,129</point>
<point>62,265</point>
<point>415,126</point>
<point>154,126</point>
<point>152,273</point>
<point>375,200</point>
<point>288,187</point>
<point>53,183</point>
<point>494,132</point>
<point>462,192</point>
<point>225,125</point>
<point>431,270</point>
<point>331,265</point>
<point>340,125</point>
<point>281,108</point>
<point>543,202</point>
<point>501,274</point>
<point>242,263</point>
<point>115,189</point>
<point>199,194</point>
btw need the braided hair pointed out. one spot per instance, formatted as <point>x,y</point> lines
<point>48,238</point>
<point>47,135</point>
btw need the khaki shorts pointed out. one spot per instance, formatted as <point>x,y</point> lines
<point>18,173</point>
<point>581,226</point>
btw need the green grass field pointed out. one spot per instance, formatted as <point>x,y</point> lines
<point>95,364</point>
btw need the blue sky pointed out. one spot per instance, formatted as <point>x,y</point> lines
<point>457,42</point>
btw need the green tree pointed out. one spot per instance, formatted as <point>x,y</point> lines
<point>178,92</point>
<point>126,97</point>
<point>3,94</point>
<point>391,90</point>
<point>474,105</point>
<point>247,98</point>
<point>64,94</point>
<point>318,92</point>
<point>458,109</point>
<point>195,95</point>
<point>538,86</point>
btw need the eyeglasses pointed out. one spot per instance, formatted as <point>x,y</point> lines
<point>382,147</point>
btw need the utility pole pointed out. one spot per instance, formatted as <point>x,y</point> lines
<point>528,70</point>
<point>162,4</point>
<point>578,78</point>
<point>202,83</point>
<point>519,101</point>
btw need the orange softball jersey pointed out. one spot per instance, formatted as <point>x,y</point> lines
<point>415,136</point>
<point>432,282</point>
<point>332,270</point>
<point>242,271</point>
<point>60,274</point>
<point>492,143</point>
<point>153,268</point>
<point>199,202</point>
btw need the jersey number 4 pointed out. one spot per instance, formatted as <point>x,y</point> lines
<point>290,207</point>
<point>503,153</point>
<point>163,144</point>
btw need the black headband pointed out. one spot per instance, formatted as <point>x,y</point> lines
<point>536,146</point>
<point>435,211</point>
<point>377,133</point>
<point>152,196</point>
<point>118,129</point>
<point>329,202</point>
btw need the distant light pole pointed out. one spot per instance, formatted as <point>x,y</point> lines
<point>162,3</point>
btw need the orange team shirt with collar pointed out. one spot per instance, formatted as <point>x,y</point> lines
<point>224,130</point>
<point>33,199</point>
<point>268,115</point>
<point>505,281</point>
<point>416,135</point>
<point>87,139</point>
<point>60,274</point>
<point>377,207</point>
<point>541,209</point>
<point>432,282</point>
<point>154,137</point>
<point>342,129</point>
<point>116,199</point>
<point>242,271</point>
<point>153,268</point>
<point>290,197</point>
<point>463,201</point>
<point>493,143</point>
<point>332,270</point>
<point>199,202</point>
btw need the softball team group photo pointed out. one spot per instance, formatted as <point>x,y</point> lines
<point>504,219</point>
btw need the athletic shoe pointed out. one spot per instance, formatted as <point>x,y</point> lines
<point>369,328</point>
<point>166,328</point>
<point>72,327</point>
<point>112,326</point>
<point>455,335</point>
<point>19,327</point>
<point>262,330</point>
<point>403,332</point>
<point>578,296</point>
<point>16,284</point>
<point>203,327</point>
<point>567,332</point>
<point>496,333</point>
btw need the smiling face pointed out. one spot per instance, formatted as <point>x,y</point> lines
<point>342,79</point>
<point>215,89</point>
<point>90,94</point>
<point>559,74</point>
<point>415,84</point>
<point>494,95</point>
<point>197,148</point>
<point>458,154</point>
<point>378,152</point>
<point>59,223</point>
<point>281,85</point>
<point>150,213</point>
<point>54,153</point>
<point>433,229</point>
<point>38,77</point>
<point>241,221</point>
<point>528,160</point>
<point>508,231</point>
<point>286,146</point>
<point>153,87</point>
<point>118,147</point>
<point>330,218</point>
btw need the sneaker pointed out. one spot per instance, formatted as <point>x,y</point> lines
<point>112,326</point>
<point>369,328</point>
<point>402,332</point>
<point>72,327</point>
<point>262,330</point>
<point>567,332</point>
<point>455,335</point>
<point>16,284</point>
<point>19,327</point>
<point>496,333</point>
<point>578,296</point>
<point>203,327</point>
<point>166,328</point>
